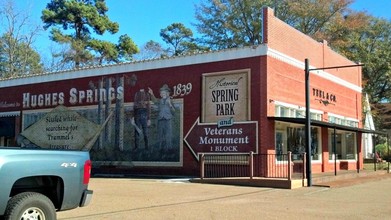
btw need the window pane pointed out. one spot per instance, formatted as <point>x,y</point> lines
<point>315,144</point>
<point>350,139</point>
<point>345,145</point>
<point>292,138</point>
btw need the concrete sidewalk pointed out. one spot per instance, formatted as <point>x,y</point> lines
<point>126,198</point>
<point>329,179</point>
<point>350,178</point>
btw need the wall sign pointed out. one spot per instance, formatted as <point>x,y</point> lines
<point>209,138</point>
<point>61,129</point>
<point>226,95</point>
<point>225,125</point>
<point>324,97</point>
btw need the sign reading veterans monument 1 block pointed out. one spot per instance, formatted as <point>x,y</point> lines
<point>225,125</point>
<point>61,129</point>
<point>226,95</point>
<point>209,138</point>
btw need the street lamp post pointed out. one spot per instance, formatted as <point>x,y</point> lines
<point>307,71</point>
<point>308,124</point>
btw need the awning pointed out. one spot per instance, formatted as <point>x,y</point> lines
<point>325,124</point>
<point>9,114</point>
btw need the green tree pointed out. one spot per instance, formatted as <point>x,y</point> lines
<point>235,23</point>
<point>315,17</point>
<point>230,23</point>
<point>371,45</point>
<point>17,57</point>
<point>383,150</point>
<point>366,39</point>
<point>78,20</point>
<point>126,48</point>
<point>109,52</point>
<point>180,39</point>
<point>105,51</point>
<point>357,35</point>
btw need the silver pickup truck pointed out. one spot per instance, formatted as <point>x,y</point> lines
<point>36,183</point>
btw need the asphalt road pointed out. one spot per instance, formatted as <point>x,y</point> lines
<point>178,199</point>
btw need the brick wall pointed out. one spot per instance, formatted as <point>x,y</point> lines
<point>284,38</point>
<point>286,82</point>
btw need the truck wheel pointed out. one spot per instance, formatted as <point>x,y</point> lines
<point>30,205</point>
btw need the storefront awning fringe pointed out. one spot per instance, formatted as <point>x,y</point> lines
<point>9,114</point>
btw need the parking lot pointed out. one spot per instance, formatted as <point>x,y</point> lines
<point>124,198</point>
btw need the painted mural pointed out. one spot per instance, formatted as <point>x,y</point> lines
<point>132,120</point>
<point>144,132</point>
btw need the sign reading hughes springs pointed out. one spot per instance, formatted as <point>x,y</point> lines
<point>74,96</point>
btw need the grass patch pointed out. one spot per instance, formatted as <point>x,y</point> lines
<point>379,166</point>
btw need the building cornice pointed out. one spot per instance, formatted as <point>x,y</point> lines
<point>192,59</point>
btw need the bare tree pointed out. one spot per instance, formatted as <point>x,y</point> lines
<point>151,50</point>
<point>17,35</point>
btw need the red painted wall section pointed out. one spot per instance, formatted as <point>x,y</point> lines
<point>325,149</point>
<point>284,38</point>
<point>154,79</point>
<point>266,127</point>
<point>286,82</point>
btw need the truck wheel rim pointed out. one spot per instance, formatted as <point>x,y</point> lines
<point>33,213</point>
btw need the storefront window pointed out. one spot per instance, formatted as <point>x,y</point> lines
<point>284,111</point>
<point>350,145</point>
<point>316,116</point>
<point>343,145</point>
<point>343,121</point>
<point>290,137</point>
<point>300,114</point>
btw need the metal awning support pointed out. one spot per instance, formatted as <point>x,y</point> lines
<point>307,71</point>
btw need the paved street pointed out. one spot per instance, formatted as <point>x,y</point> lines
<point>178,199</point>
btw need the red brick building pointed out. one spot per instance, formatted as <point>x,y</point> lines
<point>230,101</point>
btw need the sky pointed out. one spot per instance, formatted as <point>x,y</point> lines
<point>142,20</point>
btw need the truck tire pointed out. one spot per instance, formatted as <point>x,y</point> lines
<point>30,205</point>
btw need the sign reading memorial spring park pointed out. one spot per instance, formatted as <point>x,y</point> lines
<point>62,129</point>
<point>225,125</point>
<point>226,95</point>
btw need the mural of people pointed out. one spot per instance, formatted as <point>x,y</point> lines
<point>151,130</point>
<point>166,110</point>
<point>141,120</point>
